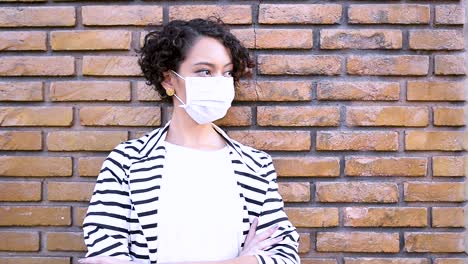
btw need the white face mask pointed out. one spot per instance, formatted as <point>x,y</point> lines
<point>207,98</point>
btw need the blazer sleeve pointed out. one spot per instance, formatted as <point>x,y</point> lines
<point>286,251</point>
<point>106,226</point>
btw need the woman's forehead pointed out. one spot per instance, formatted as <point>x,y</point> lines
<point>208,50</point>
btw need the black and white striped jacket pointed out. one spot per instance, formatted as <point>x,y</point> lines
<point>122,217</point>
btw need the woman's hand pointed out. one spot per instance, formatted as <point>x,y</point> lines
<point>104,260</point>
<point>254,244</point>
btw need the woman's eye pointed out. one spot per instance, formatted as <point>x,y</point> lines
<point>229,74</point>
<point>204,73</point>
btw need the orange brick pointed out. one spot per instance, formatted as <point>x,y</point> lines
<point>295,191</point>
<point>435,91</point>
<point>359,91</point>
<point>436,40</point>
<point>297,116</point>
<point>65,241</point>
<point>388,65</point>
<point>35,216</point>
<point>246,36</point>
<point>385,166</point>
<point>70,191</point>
<point>37,66</point>
<point>358,141</point>
<point>114,15</point>
<point>449,116</point>
<point>90,91</point>
<point>79,214</point>
<point>299,14</point>
<point>21,91</point>
<point>19,241</point>
<point>387,116</point>
<point>390,260</point>
<point>111,66</point>
<point>84,140</point>
<point>20,191</point>
<point>23,40</point>
<point>57,16</point>
<point>283,39</point>
<point>230,14</point>
<point>357,192</point>
<point>357,242</point>
<point>147,93</point>
<point>434,192</point>
<point>299,64</point>
<point>37,166</point>
<point>389,14</point>
<point>236,116</point>
<point>448,217</point>
<point>313,217</point>
<point>449,15</point>
<point>434,242</point>
<point>304,243</point>
<point>120,116</point>
<point>360,39</point>
<point>35,260</point>
<point>450,261</point>
<point>277,91</point>
<point>449,64</point>
<point>90,166</point>
<point>434,140</point>
<point>450,166</point>
<point>385,217</point>
<point>36,116</point>
<point>90,40</point>
<point>274,140</point>
<point>307,166</point>
<point>318,261</point>
<point>20,140</point>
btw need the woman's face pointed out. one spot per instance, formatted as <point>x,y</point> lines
<point>208,57</point>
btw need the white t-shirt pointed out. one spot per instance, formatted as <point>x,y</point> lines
<point>200,208</point>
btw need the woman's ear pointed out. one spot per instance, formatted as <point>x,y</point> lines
<point>168,81</point>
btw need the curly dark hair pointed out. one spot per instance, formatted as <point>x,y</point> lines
<point>166,49</point>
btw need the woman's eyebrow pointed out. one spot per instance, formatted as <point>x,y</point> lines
<point>210,64</point>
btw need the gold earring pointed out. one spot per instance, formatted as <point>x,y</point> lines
<point>170,91</point>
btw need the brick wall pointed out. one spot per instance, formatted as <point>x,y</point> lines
<point>361,104</point>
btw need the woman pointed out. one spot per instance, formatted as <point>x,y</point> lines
<point>186,192</point>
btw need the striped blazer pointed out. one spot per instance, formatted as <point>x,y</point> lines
<point>122,217</point>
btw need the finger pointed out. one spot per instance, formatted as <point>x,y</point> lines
<point>251,233</point>
<point>266,234</point>
<point>269,242</point>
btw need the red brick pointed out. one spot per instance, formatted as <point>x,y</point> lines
<point>436,40</point>
<point>111,66</point>
<point>147,93</point>
<point>385,166</point>
<point>283,39</point>
<point>36,116</point>
<point>449,116</point>
<point>434,140</point>
<point>449,15</point>
<point>297,116</point>
<point>387,116</point>
<point>360,39</point>
<point>357,141</point>
<point>57,16</point>
<point>299,64</point>
<point>276,91</point>
<point>79,214</point>
<point>20,191</point>
<point>388,65</point>
<point>21,91</point>
<point>35,260</point>
<point>90,166</point>
<point>113,15</point>
<point>294,191</point>
<point>20,140</point>
<point>90,91</point>
<point>299,14</point>
<point>448,216</point>
<point>307,166</point>
<point>84,140</point>
<point>313,217</point>
<point>435,91</point>
<point>385,217</point>
<point>230,14</point>
<point>450,261</point>
<point>389,14</point>
<point>389,260</point>
<point>236,116</point>
<point>120,116</point>
<point>90,40</point>
<point>246,36</point>
<point>35,216</point>
<point>274,140</point>
<point>359,91</point>
<point>65,241</point>
<point>37,166</point>
<point>19,241</point>
<point>23,40</point>
<point>434,192</point>
<point>357,192</point>
<point>434,242</point>
<point>318,261</point>
<point>449,64</point>
<point>357,242</point>
<point>37,66</point>
<point>70,191</point>
<point>304,243</point>
<point>450,166</point>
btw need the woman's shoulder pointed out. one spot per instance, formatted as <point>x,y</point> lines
<point>260,156</point>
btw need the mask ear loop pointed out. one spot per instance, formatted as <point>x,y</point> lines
<point>184,105</point>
